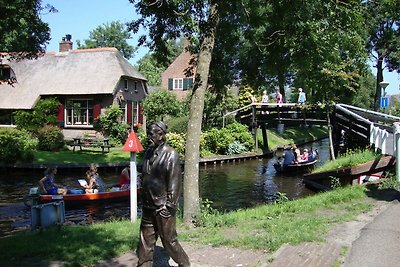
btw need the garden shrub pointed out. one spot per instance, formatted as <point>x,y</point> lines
<point>241,134</point>
<point>234,138</point>
<point>110,125</point>
<point>16,145</point>
<point>177,141</point>
<point>178,124</point>
<point>44,112</point>
<point>218,140</point>
<point>235,148</point>
<point>50,138</point>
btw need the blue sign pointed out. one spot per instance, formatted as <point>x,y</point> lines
<point>384,102</point>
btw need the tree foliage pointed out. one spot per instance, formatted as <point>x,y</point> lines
<point>217,103</point>
<point>44,113</point>
<point>114,34</point>
<point>160,104</point>
<point>110,125</point>
<point>21,28</point>
<point>151,67</point>
<point>383,42</point>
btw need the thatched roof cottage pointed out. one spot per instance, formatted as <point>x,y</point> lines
<point>85,81</point>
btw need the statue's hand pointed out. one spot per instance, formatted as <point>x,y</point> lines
<point>164,212</point>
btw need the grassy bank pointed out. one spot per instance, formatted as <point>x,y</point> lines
<point>116,155</point>
<point>351,158</point>
<point>265,227</point>
<point>294,136</point>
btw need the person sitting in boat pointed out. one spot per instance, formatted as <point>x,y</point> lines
<point>101,186</point>
<point>94,183</point>
<point>48,185</point>
<point>125,178</point>
<point>289,157</point>
<point>304,156</point>
<point>297,154</point>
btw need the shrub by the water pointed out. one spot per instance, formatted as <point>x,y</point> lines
<point>16,145</point>
<point>50,138</point>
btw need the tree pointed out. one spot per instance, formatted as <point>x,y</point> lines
<point>44,113</point>
<point>114,34</point>
<point>159,104</point>
<point>384,38</point>
<point>151,67</point>
<point>196,20</point>
<point>22,30</point>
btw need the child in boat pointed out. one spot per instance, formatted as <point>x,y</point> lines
<point>94,183</point>
<point>48,185</point>
<point>304,156</point>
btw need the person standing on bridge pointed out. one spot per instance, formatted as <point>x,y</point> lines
<point>302,97</point>
<point>264,98</point>
<point>278,97</point>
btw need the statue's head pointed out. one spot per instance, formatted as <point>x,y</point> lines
<point>157,133</point>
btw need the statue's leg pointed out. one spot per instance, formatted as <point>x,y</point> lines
<point>167,232</point>
<point>148,238</point>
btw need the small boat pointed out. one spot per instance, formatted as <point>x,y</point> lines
<point>79,197</point>
<point>295,168</point>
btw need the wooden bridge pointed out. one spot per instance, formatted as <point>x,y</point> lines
<point>350,126</point>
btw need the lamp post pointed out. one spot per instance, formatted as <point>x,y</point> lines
<point>384,100</point>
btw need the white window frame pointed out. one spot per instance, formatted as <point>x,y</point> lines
<point>72,116</point>
<point>177,84</point>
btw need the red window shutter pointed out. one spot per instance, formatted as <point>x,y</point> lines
<point>140,113</point>
<point>129,112</point>
<point>60,115</point>
<point>96,111</point>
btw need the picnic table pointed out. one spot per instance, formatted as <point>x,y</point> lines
<point>80,142</point>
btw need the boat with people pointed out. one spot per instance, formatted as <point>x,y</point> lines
<point>289,163</point>
<point>295,167</point>
<point>79,197</point>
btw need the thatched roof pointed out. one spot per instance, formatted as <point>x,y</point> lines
<point>77,72</point>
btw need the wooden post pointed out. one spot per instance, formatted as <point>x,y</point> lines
<point>265,138</point>
<point>331,149</point>
<point>254,126</point>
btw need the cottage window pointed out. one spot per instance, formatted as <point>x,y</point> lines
<point>130,112</point>
<point>122,107</point>
<point>135,112</point>
<point>178,84</point>
<point>79,112</point>
<point>126,85</point>
<point>6,117</point>
<point>5,72</point>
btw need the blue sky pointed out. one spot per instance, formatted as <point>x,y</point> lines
<point>79,17</point>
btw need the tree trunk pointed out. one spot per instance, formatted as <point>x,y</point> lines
<point>379,78</point>
<point>281,82</point>
<point>191,207</point>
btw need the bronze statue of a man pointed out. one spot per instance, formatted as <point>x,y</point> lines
<point>161,189</point>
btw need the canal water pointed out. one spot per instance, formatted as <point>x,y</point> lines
<point>229,186</point>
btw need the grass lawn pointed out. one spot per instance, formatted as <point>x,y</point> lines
<point>116,155</point>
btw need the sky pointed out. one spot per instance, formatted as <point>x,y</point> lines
<point>79,17</point>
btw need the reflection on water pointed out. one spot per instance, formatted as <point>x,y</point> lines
<point>229,186</point>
